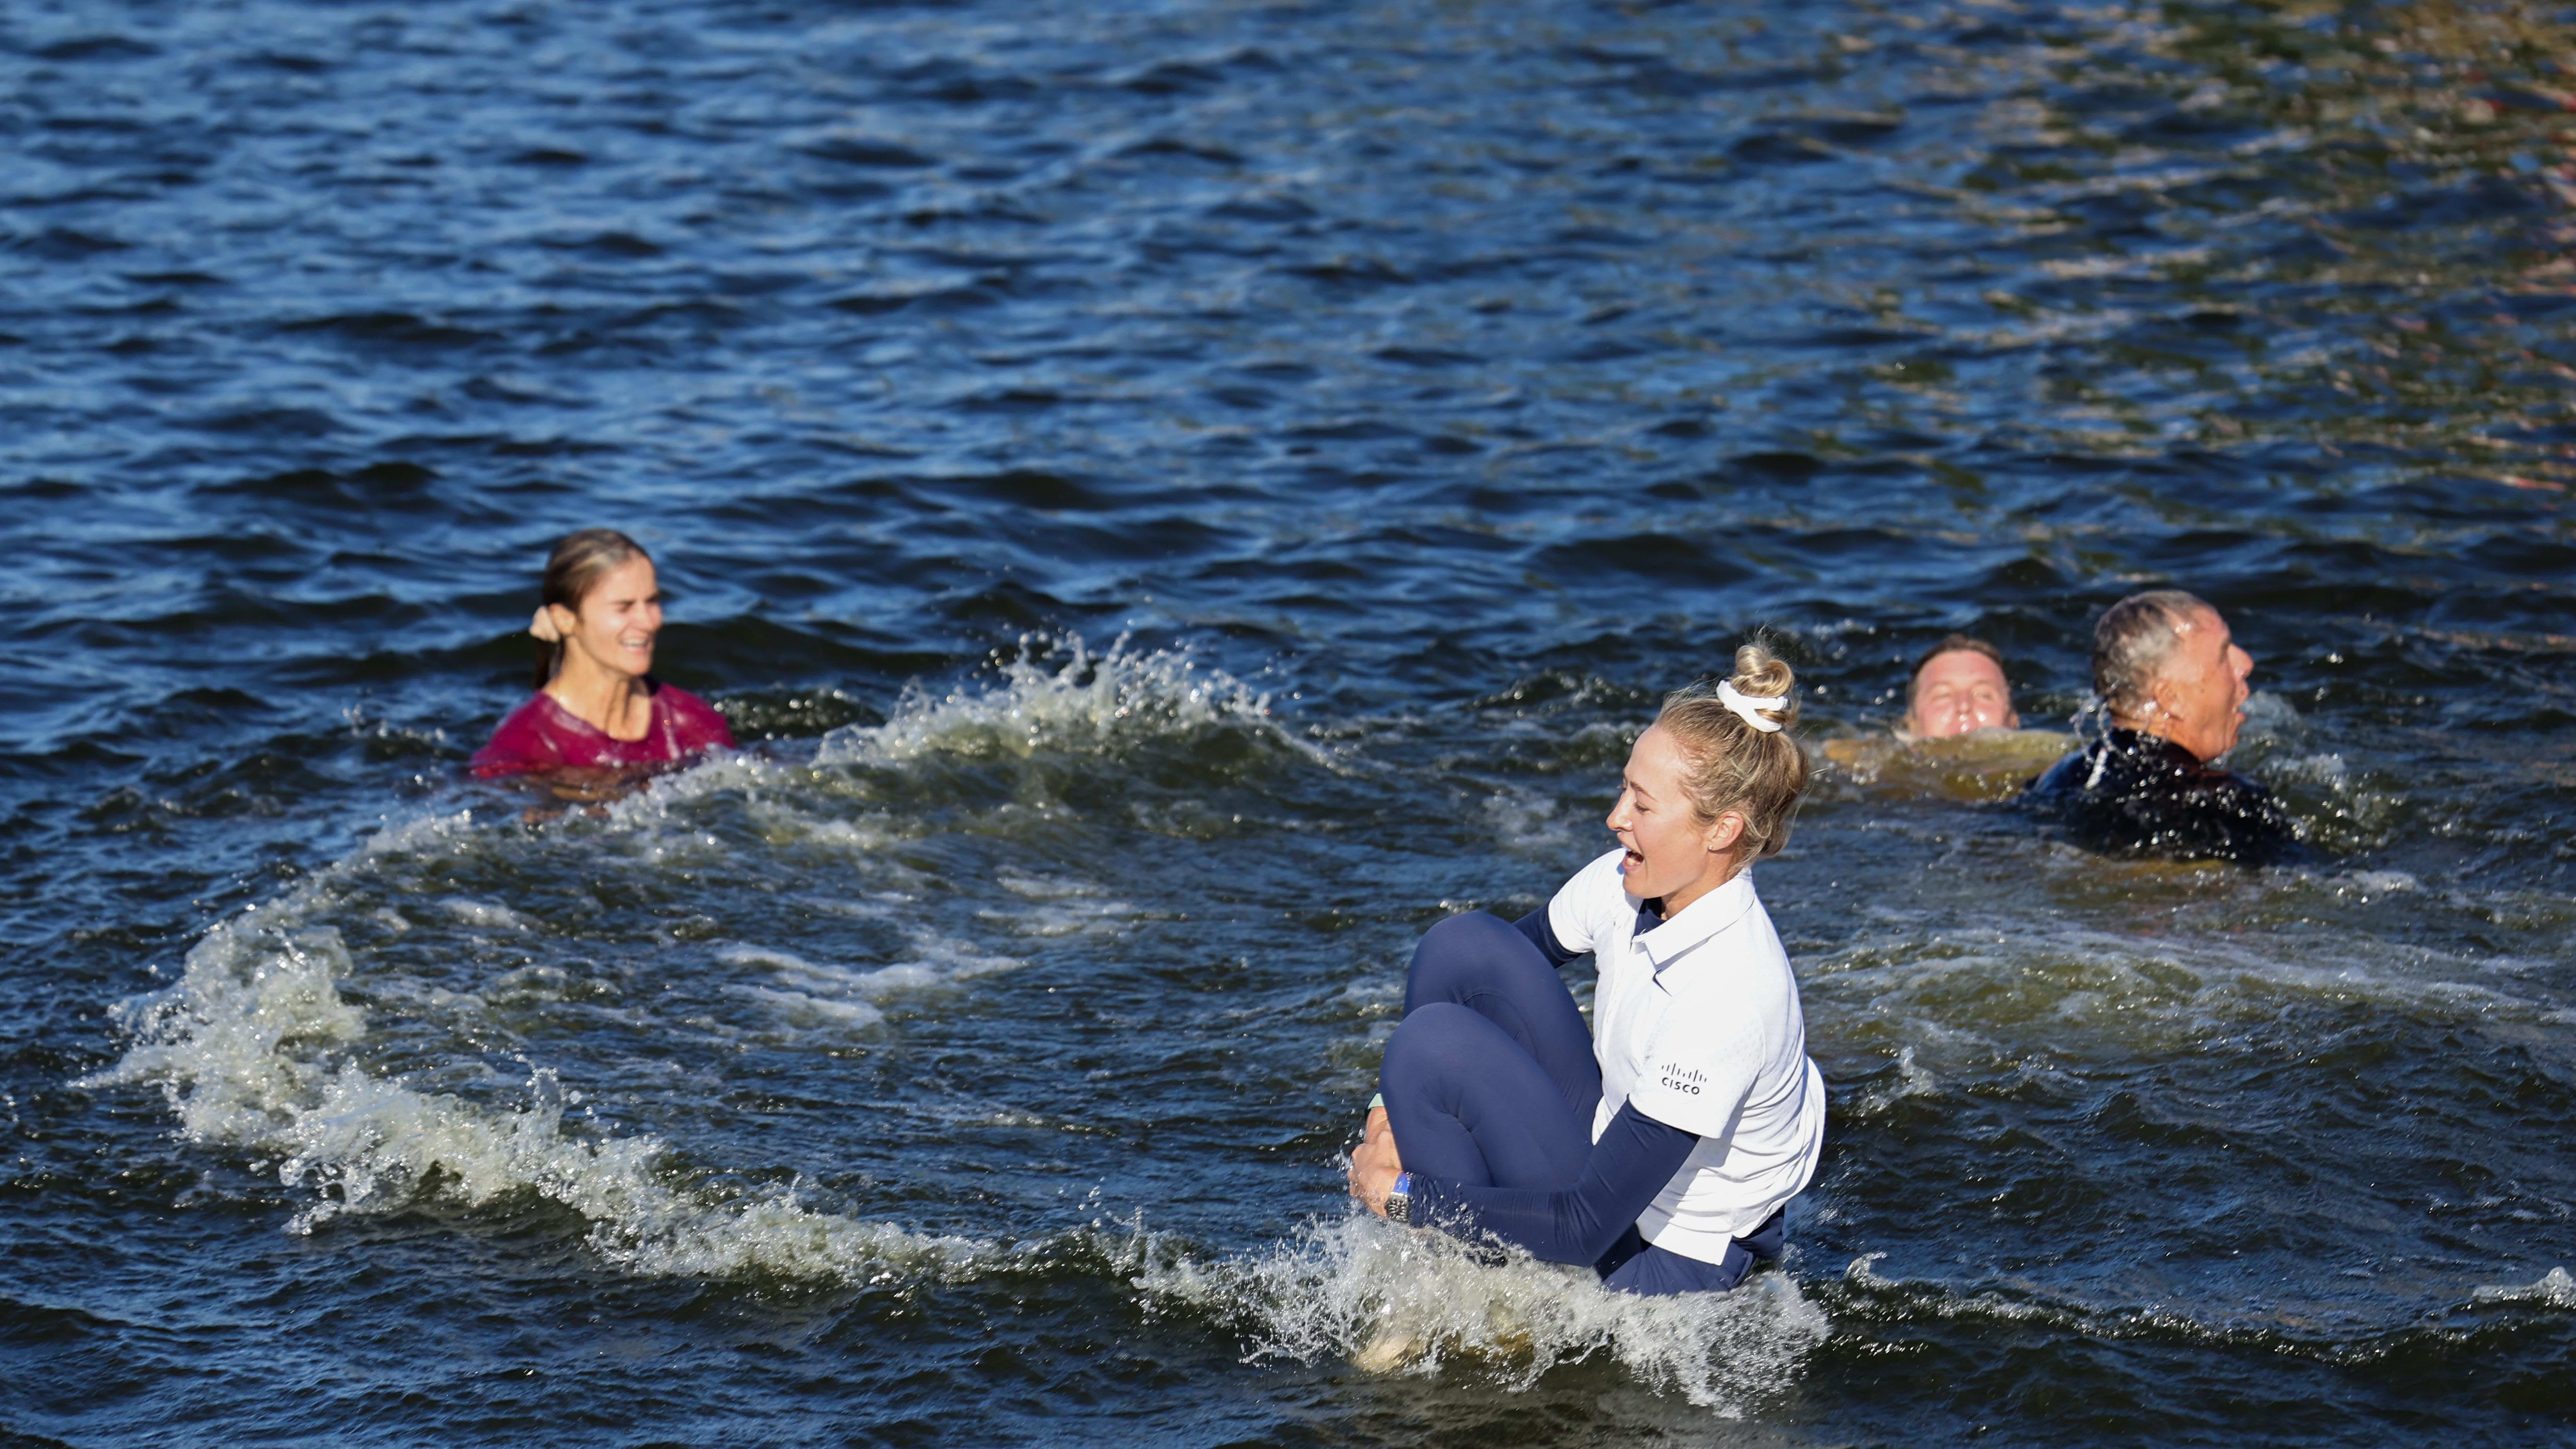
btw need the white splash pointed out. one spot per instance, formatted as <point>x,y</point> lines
<point>1911,1081</point>
<point>2267,713</point>
<point>2555,1289</point>
<point>255,1048</point>
<point>1421,1303</point>
<point>1086,703</point>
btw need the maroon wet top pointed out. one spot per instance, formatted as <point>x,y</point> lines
<point>543,735</point>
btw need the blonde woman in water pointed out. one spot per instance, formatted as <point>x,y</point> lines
<point>1660,1147</point>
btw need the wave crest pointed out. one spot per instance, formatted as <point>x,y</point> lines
<point>255,1048</point>
<point>2554,1289</point>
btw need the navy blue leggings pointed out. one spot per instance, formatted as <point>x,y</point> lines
<point>1491,1033</point>
<point>1490,1083</point>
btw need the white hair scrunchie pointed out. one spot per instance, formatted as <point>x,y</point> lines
<point>1748,707</point>
<point>543,626</point>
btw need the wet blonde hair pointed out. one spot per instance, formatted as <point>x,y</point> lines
<point>579,562</point>
<point>1733,766</point>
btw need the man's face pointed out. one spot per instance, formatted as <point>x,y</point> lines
<point>2201,691</point>
<point>1959,691</point>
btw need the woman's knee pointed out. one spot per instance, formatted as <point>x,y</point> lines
<point>1438,1042</point>
<point>1460,955</point>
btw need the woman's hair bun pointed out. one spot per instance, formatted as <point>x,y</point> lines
<point>1736,764</point>
<point>1761,674</point>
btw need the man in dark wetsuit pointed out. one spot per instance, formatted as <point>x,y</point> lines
<point>2173,682</point>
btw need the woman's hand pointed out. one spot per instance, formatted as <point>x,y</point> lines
<point>1375,1165</point>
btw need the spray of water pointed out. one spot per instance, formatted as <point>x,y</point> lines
<point>258,1051</point>
<point>1406,1301</point>
<point>1105,703</point>
<point>2553,1289</point>
<point>255,1049</point>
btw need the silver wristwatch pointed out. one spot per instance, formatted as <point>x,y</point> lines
<point>1399,1200</point>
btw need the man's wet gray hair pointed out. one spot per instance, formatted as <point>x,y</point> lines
<point>2132,640</point>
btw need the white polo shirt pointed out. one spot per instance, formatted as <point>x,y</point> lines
<point>1696,1020</point>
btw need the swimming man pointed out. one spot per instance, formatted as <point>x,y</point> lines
<point>1960,737</point>
<point>1958,686</point>
<point>2173,680</point>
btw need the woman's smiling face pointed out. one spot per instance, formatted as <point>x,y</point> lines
<point>1673,855</point>
<point>620,618</point>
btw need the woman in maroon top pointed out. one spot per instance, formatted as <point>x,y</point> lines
<point>598,713</point>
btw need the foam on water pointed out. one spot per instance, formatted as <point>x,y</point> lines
<point>1103,704</point>
<point>255,1048</point>
<point>487,914</point>
<point>2140,991</point>
<point>806,1011</point>
<point>1914,1300</point>
<point>2553,1289</point>
<point>1911,1081</point>
<point>809,993</point>
<point>1053,907</point>
<point>1526,821</point>
<point>1353,1286</point>
<point>2267,714</point>
<point>1910,1300</point>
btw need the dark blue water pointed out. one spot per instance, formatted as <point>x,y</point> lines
<point>1175,499</point>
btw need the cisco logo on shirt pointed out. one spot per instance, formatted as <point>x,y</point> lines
<point>1679,1079</point>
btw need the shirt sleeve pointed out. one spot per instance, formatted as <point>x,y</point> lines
<point>1634,1158</point>
<point>1698,1073</point>
<point>1535,927</point>
<point>1576,906</point>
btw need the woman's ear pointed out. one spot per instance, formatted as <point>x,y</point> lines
<point>1722,835</point>
<point>566,621</point>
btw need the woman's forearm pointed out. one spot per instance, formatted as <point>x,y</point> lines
<point>1634,1159</point>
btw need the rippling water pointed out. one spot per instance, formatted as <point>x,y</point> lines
<point>1175,499</point>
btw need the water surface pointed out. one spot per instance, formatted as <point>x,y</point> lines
<point>1175,499</point>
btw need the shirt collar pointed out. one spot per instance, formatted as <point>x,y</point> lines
<point>1667,941</point>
